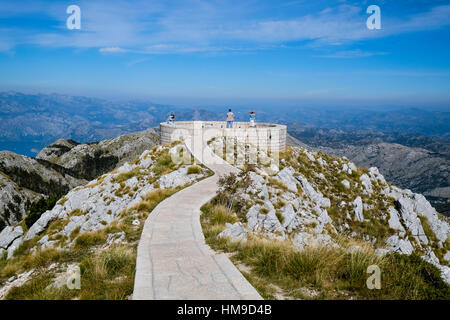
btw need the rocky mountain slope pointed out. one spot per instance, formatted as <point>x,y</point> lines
<point>97,219</point>
<point>418,169</point>
<point>31,121</point>
<point>59,168</point>
<point>308,200</point>
<point>321,200</point>
<point>24,180</point>
<point>94,159</point>
<point>421,164</point>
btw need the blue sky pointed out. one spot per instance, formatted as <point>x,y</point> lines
<point>230,52</point>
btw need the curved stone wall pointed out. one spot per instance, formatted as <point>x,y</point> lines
<point>266,135</point>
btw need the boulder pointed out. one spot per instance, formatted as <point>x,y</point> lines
<point>358,209</point>
<point>394,220</point>
<point>115,238</point>
<point>304,239</point>
<point>8,235</point>
<point>176,178</point>
<point>315,195</point>
<point>286,176</point>
<point>367,183</point>
<point>346,183</point>
<point>447,256</point>
<point>16,244</point>
<point>258,221</point>
<point>234,231</point>
<point>402,246</point>
<point>289,215</point>
<point>258,185</point>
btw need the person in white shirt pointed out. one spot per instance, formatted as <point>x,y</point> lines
<point>230,119</point>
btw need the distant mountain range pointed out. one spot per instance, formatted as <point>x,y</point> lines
<point>28,122</point>
<point>410,146</point>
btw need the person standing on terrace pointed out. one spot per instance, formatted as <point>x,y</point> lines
<point>252,119</point>
<point>230,119</point>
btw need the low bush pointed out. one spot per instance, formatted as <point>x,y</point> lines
<point>193,170</point>
<point>37,208</point>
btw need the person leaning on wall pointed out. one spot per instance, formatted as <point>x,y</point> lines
<point>171,119</point>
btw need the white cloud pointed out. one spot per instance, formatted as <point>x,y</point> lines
<point>112,50</point>
<point>161,27</point>
<point>353,54</point>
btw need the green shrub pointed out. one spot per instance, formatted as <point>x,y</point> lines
<point>193,170</point>
<point>220,215</point>
<point>127,175</point>
<point>37,208</point>
<point>89,239</point>
<point>163,165</point>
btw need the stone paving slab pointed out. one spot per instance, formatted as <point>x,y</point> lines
<point>173,261</point>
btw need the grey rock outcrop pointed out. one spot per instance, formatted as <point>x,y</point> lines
<point>235,231</point>
<point>418,169</point>
<point>8,235</point>
<point>100,202</point>
<point>286,177</point>
<point>24,180</point>
<point>266,222</point>
<point>358,209</point>
<point>315,195</point>
<point>399,245</point>
<point>304,239</point>
<point>94,159</point>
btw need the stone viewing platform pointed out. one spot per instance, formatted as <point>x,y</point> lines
<point>267,136</point>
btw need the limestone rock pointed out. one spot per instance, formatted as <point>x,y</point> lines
<point>234,231</point>
<point>92,160</point>
<point>309,155</point>
<point>367,183</point>
<point>258,186</point>
<point>289,217</point>
<point>358,209</point>
<point>16,244</point>
<point>258,221</point>
<point>8,235</point>
<point>304,239</point>
<point>176,178</point>
<point>41,224</point>
<point>346,183</point>
<point>115,238</point>
<point>394,220</point>
<point>286,176</point>
<point>315,195</point>
<point>24,179</point>
<point>45,242</point>
<point>447,256</point>
<point>402,246</point>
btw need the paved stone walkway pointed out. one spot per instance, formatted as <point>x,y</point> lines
<point>173,261</point>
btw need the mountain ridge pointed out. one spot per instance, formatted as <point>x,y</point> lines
<point>312,200</point>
